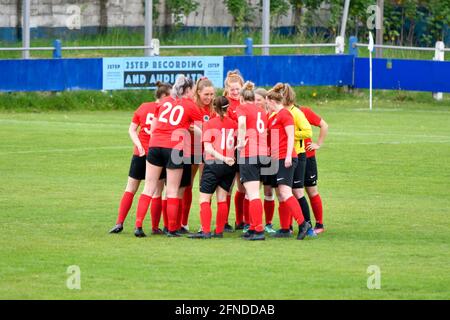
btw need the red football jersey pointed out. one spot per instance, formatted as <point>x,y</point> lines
<point>278,136</point>
<point>222,134</point>
<point>232,108</point>
<point>256,133</point>
<point>314,120</point>
<point>174,116</point>
<point>196,142</point>
<point>143,117</point>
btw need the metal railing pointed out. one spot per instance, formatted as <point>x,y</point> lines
<point>248,47</point>
<point>383,46</point>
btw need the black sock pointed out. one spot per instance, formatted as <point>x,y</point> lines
<point>305,209</point>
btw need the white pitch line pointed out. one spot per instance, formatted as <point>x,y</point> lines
<point>130,147</point>
<point>63,123</point>
<point>385,134</point>
<point>389,142</point>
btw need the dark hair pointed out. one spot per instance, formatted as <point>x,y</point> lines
<point>162,89</point>
<point>181,85</point>
<point>221,104</point>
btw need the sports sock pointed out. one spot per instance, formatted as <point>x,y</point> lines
<point>124,207</point>
<point>256,212</point>
<point>269,208</point>
<point>155,210</point>
<point>205,216</point>
<point>187,202</point>
<point>316,205</point>
<point>305,209</point>
<point>222,208</point>
<point>143,204</point>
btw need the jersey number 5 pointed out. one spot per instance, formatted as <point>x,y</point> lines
<point>172,111</point>
<point>148,121</point>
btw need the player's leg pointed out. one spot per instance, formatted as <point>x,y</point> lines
<point>311,177</point>
<point>173,199</point>
<point>156,208</point>
<point>125,203</point>
<point>285,195</point>
<point>151,181</point>
<point>269,208</point>
<point>187,198</point>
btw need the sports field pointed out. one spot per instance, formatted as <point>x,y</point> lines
<point>384,179</point>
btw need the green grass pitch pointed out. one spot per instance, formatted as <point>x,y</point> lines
<point>384,177</point>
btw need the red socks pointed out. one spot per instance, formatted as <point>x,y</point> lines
<point>164,213</point>
<point>143,204</point>
<point>124,207</point>
<point>285,216</point>
<point>180,213</point>
<point>187,202</point>
<point>221,218</point>
<point>155,209</point>
<point>172,213</point>
<point>205,216</point>
<point>316,205</point>
<point>269,209</point>
<point>295,209</point>
<point>239,206</point>
<point>247,216</point>
<point>256,213</point>
<point>228,206</point>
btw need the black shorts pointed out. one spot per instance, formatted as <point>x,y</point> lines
<point>250,168</point>
<point>186,177</point>
<point>311,172</point>
<point>165,157</point>
<point>137,168</point>
<point>217,175</point>
<point>196,159</point>
<point>299,173</point>
<point>284,176</point>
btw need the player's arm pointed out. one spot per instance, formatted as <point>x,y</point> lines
<point>305,128</point>
<point>322,134</point>
<point>242,129</point>
<point>217,155</point>
<point>132,131</point>
<point>290,132</point>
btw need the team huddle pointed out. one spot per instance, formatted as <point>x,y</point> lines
<point>246,139</point>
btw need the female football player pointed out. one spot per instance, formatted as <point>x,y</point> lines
<point>284,157</point>
<point>219,170</point>
<point>170,131</point>
<point>203,96</point>
<point>139,132</point>
<point>252,156</point>
<point>311,167</point>
<point>233,85</point>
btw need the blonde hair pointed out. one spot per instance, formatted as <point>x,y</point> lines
<point>247,91</point>
<point>288,95</point>
<point>232,77</point>
<point>261,92</point>
<point>181,85</point>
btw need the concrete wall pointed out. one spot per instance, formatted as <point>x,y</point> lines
<point>114,13</point>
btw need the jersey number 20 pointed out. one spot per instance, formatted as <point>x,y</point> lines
<point>172,111</point>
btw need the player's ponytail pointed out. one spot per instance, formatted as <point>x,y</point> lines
<point>221,104</point>
<point>277,93</point>
<point>182,84</point>
<point>162,89</point>
<point>288,95</point>
<point>247,91</point>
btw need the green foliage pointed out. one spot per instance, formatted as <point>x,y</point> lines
<point>180,8</point>
<point>242,11</point>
